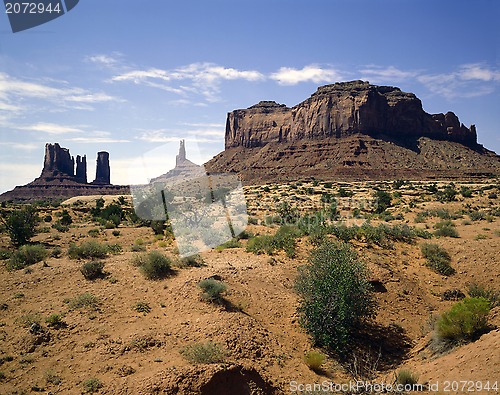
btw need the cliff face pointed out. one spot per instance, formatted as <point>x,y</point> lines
<point>102,170</point>
<point>350,131</point>
<point>340,110</point>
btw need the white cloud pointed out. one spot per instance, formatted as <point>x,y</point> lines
<point>50,128</point>
<point>97,140</point>
<point>105,60</point>
<point>478,72</point>
<point>389,74</point>
<point>311,73</point>
<point>196,78</point>
<point>20,146</point>
<point>15,92</point>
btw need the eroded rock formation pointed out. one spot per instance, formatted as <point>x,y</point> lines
<point>103,171</point>
<point>341,110</point>
<point>350,131</point>
<point>59,180</point>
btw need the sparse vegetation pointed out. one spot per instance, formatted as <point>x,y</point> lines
<point>438,258</point>
<point>212,290</point>
<point>154,265</point>
<point>406,377</point>
<point>27,255</point>
<point>478,291</point>
<point>20,224</point>
<point>88,250</point>
<point>314,360</point>
<point>330,313</point>
<point>465,321</point>
<point>86,300</point>
<point>446,228</point>
<point>206,353</point>
<point>142,307</point>
<point>91,385</point>
<point>92,270</point>
<point>55,320</point>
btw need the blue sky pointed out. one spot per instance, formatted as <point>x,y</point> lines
<point>128,76</point>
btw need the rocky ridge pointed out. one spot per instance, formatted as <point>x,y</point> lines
<point>350,130</point>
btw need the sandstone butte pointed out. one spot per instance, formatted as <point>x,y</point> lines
<point>351,131</point>
<point>59,178</point>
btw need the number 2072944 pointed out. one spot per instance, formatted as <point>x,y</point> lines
<point>33,8</point>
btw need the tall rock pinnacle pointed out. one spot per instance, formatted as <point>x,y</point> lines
<point>81,168</point>
<point>57,162</point>
<point>102,174</point>
<point>182,154</point>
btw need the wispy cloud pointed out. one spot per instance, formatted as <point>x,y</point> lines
<point>166,136</point>
<point>109,61</point>
<point>50,128</point>
<point>97,140</point>
<point>196,78</point>
<point>470,80</point>
<point>390,74</point>
<point>311,73</point>
<point>20,146</point>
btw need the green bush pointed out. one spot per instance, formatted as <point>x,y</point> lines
<point>233,243</point>
<point>142,307</point>
<point>335,295</point>
<point>86,300</point>
<point>204,353</point>
<point>60,227</point>
<point>261,244</point>
<point>55,320</point>
<point>20,224</point>
<point>92,270</point>
<point>88,250</point>
<point>153,265</point>
<point>438,258</point>
<point>478,291</point>
<point>406,377</point>
<point>91,385</point>
<point>5,254</point>
<point>314,360</point>
<point>212,290</point>
<point>446,229</point>
<point>27,255</point>
<point>383,201</point>
<point>66,219</point>
<point>464,321</point>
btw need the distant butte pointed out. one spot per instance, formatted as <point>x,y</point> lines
<point>59,179</point>
<point>350,131</point>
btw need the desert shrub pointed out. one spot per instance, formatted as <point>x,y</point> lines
<point>92,270</point>
<point>29,319</point>
<point>261,244</point>
<point>464,321</point>
<point>466,192</point>
<point>194,260</point>
<point>344,192</point>
<point>27,255</point>
<point>314,360</point>
<point>142,307</point>
<point>91,385</point>
<point>47,218</point>
<point>138,248</point>
<point>344,232</point>
<point>233,243</point>
<point>212,290</point>
<point>52,378</point>
<point>88,250</point>
<point>158,227</point>
<point>116,233</point>
<point>448,194</point>
<point>492,195</point>
<point>115,248</point>
<point>154,265</point>
<point>383,201</point>
<point>5,254</point>
<point>86,300</point>
<point>438,258</point>
<point>65,218</point>
<point>55,320</point>
<point>60,227</point>
<point>208,352</point>
<point>478,291</point>
<point>20,224</point>
<point>335,295</point>
<point>446,229</point>
<point>477,215</point>
<point>406,377</point>
<point>94,232</point>
<point>56,252</point>
<point>284,239</point>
